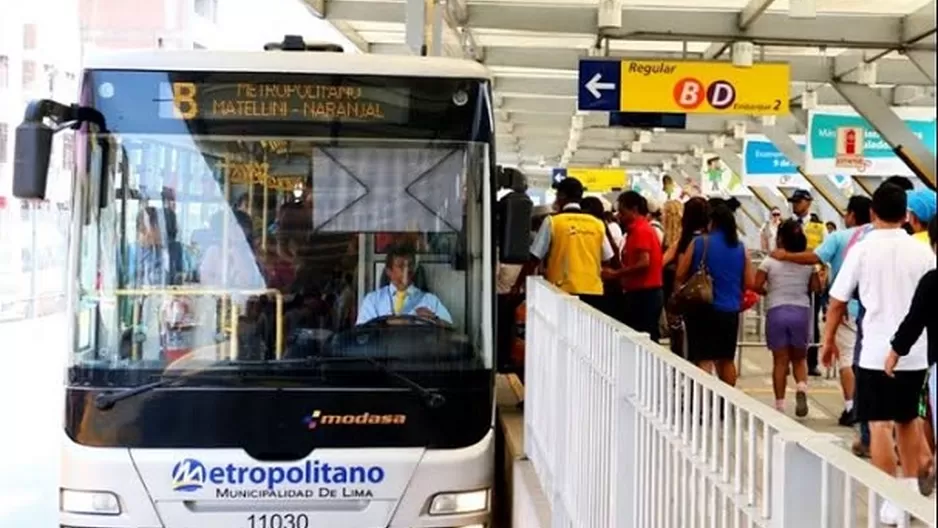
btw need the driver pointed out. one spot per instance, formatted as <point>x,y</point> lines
<point>401,297</point>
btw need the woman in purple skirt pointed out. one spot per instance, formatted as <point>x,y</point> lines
<point>787,287</point>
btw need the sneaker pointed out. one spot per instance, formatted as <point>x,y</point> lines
<point>847,418</point>
<point>814,373</point>
<point>801,404</point>
<point>889,514</point>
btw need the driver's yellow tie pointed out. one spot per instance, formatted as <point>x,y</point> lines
<point>399,299</point>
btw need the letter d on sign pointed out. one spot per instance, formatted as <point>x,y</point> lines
<point>721,95</point>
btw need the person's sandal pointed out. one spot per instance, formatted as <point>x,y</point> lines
<point>860,450</point>
<point>926,479</point>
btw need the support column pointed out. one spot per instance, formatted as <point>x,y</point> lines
<point>867,184</point>
<point>746,208</point>
<point>415,26</point>
<point>891,128</point>
<point>924,61</point>
<point>824,186</point>
<point>436,28</point>
<point>734,162</point>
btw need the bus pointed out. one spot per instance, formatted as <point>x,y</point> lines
<point>243,223</point>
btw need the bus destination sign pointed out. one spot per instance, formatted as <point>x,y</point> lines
<point>293,102</point>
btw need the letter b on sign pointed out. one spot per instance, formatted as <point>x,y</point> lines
<point>689,93</point>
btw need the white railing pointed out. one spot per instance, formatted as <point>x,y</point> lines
<point>33,247</point>
<point>624,434</point>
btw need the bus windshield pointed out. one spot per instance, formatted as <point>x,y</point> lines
<point>220,234</point>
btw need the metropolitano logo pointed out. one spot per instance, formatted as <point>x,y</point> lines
<point>189,475</point>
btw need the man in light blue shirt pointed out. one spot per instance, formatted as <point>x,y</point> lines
<point>833,251</point>
<point>401,297</point>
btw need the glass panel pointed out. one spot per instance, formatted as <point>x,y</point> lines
<point>258,254</point>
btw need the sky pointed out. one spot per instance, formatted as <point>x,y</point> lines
<point>255,27</point>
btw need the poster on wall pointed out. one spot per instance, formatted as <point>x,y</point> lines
<point>765,166</point>
<point>718,180</point>
<point>648,184</point>
<point>842,142</point>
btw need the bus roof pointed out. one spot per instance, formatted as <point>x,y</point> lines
<point>287,62</point>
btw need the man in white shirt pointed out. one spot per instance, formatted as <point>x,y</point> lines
<point>884,269</point>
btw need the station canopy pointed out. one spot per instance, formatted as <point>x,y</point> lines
<point>533,48</point>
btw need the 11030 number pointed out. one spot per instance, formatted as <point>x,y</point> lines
<point>278,520</point>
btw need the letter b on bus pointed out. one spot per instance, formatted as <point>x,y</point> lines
<point>178,100</point>
<point>184,103</point>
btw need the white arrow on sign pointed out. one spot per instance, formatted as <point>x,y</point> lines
<point>594,85</point>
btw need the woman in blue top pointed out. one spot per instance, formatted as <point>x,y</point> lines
<point>712,329</point>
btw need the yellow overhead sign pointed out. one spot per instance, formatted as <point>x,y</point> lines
<point>702,87</point>
<point>599,179</point>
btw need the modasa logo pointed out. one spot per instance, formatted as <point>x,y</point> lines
<point>319,419</point>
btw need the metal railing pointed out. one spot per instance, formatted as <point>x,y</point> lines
<point>624,434</point>
<point>33,246</point>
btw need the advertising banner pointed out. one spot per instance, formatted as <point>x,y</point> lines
<point>842,142</point>
<point>765,166</point>
<point>718,180</point>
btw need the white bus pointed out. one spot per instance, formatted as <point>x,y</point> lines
<point>220,377</point>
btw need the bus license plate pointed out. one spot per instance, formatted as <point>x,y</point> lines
<point>278,520</point>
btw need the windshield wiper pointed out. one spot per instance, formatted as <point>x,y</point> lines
<point>105,401</point>
<point>432,398</point>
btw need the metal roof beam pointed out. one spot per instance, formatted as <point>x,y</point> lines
<point>804,68</point>
<point>753,10</point>
<point>925,62</point>
<point>777,29</point>
<point>790,149</point>
<point>919,25</point>
<point>749,14</point>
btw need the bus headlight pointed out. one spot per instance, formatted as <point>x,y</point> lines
<point>459,502</point>
<point>89,502</point>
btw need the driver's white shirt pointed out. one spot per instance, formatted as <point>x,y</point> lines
<point>380,303</point>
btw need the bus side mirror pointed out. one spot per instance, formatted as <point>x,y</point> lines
<point>31,160</point>
<point>514,226</point>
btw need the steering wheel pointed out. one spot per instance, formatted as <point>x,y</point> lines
<point>390,320</point>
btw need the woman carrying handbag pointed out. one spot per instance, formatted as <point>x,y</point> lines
<point>713,273</point>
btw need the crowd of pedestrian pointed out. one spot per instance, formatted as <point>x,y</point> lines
<point>679,270</point>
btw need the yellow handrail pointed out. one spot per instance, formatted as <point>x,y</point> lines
<point>177,291</point>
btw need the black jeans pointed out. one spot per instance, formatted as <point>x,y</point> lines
<point>642,311</point>
<point>506,331</point>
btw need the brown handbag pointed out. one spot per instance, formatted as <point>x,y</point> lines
<point>698,289</point>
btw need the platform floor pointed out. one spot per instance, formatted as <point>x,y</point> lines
<point>825,404</point>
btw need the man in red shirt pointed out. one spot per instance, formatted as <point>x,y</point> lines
<point>641,271</point>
